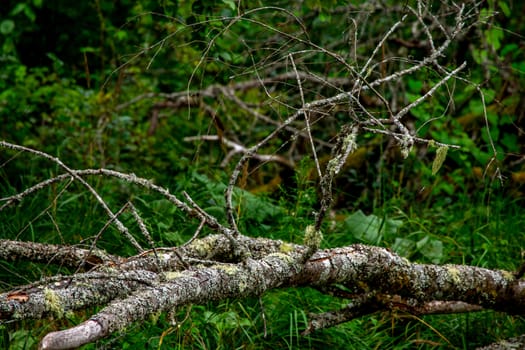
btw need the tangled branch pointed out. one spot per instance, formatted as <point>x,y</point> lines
<point>228,263</point>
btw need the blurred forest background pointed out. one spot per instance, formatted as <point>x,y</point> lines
<point>104,84</point>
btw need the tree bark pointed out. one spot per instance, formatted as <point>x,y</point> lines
<point>133,295</point>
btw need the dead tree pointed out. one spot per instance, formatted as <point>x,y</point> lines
<point>230,263</point>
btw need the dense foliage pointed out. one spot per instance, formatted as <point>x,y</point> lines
<point>94,83</point>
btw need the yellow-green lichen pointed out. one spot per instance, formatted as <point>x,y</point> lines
<point>242,286</point>
<point>154,317</point>
<point>312,237</point>
<point>171,275</point>
<point>229,269</point>
<point>349,142</point>
<point>203,246</point>
<point>454,274</point>
<point>106,269</point>
<point>53,303</point>
<point>405,260</point>
<point>406,145</point>
<point>508,276</point>
<point>286,248</point>
<point>285,257</point>
<point>333,166</point>
<point>363,286</point>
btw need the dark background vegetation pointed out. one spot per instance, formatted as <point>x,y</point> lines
<point>69,69</point>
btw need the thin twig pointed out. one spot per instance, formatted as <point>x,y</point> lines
<point>306,118</point>
<point>428,94</point>
<point>238,148</point>
<point>145,232</point>
<point>196,233</point>
<point>123,229</point>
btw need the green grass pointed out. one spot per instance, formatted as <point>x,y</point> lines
<point>451,217</point>
<point>470,231</point>
<point>473,229</point>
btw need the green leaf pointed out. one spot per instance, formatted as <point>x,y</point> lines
<point>480,56</point>
<point>324,17</point>
<point>371,228</point>
<point>494,36</point>
<point>21,339</point>
<point>489,94</point>
<point>231,4</point>
<point>422,242</point>
<point>510,141</point>
<point>432,249</point>
<point>88,49</point>
<point>404,246</point>
<point>420,113</point>
<point>18,8</point>
<point>226,56</point>
<point>7,26</point>
<point>163,206</point>
<point>250,206</point>
<point>484,14</point>
<point>415,85</point>
<point>121,35</point>
<point>504,8</point>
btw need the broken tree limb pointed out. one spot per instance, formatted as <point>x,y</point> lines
<point>135,295</point>
<point>65,255</point>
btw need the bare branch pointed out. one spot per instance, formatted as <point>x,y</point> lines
<point>346,144</point>
<point>99,199</point>
<point>306,119</point>
<point>356,267</point>
<point>66,255</point>
<point>428,94</point>
<point>238,148</point>
<point>228,263</point>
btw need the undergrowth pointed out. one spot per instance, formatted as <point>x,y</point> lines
<point>475,229</point>
<point>461,214</point>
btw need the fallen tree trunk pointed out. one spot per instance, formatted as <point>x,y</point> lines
<point>137,287</point>
<point>356,98</point>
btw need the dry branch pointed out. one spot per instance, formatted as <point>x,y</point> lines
<point>142,292</point>
<point>64,255</point>
<point>230,264</point>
